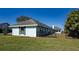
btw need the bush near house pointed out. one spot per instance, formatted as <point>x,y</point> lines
<point>0,30</point>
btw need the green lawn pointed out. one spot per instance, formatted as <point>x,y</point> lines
<point>15,43</point>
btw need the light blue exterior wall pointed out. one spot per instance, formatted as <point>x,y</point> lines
<point>32,31</point>
<point>29,31</point>
<point>15,31</point>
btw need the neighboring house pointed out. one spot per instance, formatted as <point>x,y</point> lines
<point>56,29</point>
<point>31,28</point>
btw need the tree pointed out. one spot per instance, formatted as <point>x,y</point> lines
<point>71,27</point>
<point>5,28</point>
<point>5,31</point>
<point>22,18</point>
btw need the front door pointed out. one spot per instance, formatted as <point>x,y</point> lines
<point>22,31</point>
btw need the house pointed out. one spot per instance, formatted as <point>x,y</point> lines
<point>31,28</point>
<point>56,29</point>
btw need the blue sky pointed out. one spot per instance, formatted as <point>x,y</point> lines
<point>49,16</point>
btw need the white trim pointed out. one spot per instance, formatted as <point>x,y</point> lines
<point>23,25</point>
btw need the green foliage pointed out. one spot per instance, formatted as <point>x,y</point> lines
<point>0,30</point>
<point>22,18</point>
<point>5,31</point>
<point>71,27</point>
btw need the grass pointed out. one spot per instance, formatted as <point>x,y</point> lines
<point>16,43</point>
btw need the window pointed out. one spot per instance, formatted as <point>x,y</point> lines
<point>22,30</point>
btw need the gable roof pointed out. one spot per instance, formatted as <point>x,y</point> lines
<point>27,22</point>
<point>30,22</point>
